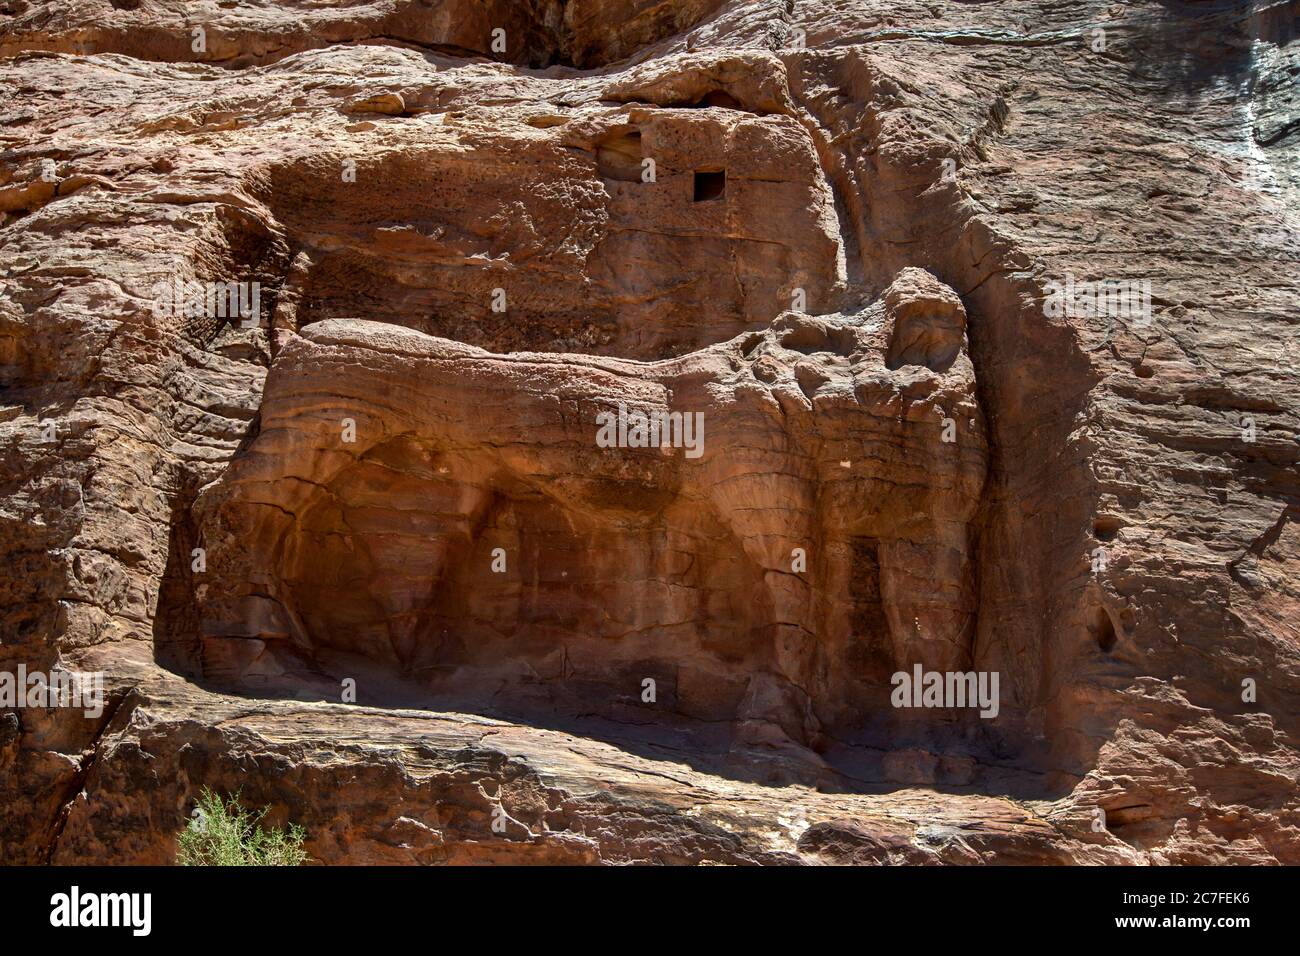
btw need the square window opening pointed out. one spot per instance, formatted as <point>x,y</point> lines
<point>710,184</point>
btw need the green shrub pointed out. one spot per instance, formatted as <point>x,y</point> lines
<point>223,833</point>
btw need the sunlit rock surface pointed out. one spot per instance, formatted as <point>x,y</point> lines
<point>369,559</point>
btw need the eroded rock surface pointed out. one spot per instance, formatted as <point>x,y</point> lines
<point>833,232</point>
<point>475,530</point>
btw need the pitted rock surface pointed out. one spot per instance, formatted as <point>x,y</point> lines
<point>832,230</point>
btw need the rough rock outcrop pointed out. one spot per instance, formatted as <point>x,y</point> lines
<point>452,512</point>
<point>371,555</point>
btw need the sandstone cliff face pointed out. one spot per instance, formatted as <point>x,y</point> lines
<point>823,244</point>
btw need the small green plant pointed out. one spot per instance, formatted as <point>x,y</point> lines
<point>223,833</point>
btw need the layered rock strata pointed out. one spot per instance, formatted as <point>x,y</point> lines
<point>838,233</point>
